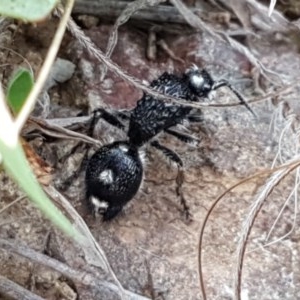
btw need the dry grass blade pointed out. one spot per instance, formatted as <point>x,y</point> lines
<point>210,210</point>
<point>201,235</point>
<point>80,277</point>
<point>256,207</point>
<point>271,7</point>
<point>295,194</point>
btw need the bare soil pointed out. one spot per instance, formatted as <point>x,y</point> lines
<point>150,246</point>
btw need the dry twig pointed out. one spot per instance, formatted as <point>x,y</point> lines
<point>12,290</point>
<point>79,277</point>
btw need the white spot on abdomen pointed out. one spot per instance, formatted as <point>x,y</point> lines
<point>99,205</point>
<point>106,176</point>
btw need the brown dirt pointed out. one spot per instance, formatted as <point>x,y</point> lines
<point>151,237</point>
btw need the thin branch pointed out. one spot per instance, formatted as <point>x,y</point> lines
<point>80,277</point>
<point>43,74</point>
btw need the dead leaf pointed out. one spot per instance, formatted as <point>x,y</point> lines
<point>41,169</point>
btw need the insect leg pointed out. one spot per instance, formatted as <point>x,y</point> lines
<point>186,138</point>
<point>108,117</point>
<point>180,176</point>
<point>68,181</point>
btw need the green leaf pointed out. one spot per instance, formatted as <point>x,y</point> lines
<point>16,164</point>
<point>18,90</point>
<point>27,10</point>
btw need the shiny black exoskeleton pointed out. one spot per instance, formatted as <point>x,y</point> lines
<point>114,173</point>
<point>113,177</point>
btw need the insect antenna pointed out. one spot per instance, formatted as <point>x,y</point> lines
<point>222,83</point>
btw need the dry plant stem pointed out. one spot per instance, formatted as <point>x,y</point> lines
<point>293,193</point>
<point>12,290</point>
<point>61,132</point>
<point>130,9</point>
<point>43,74</point>
<point>81,277</point>
<point>89,243</point>
<point>256,207</point>
<point>19,55</point>
<point>201,234</point>
<point>196,22</point>
<point>97,53</point>
<point>12,203</point>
